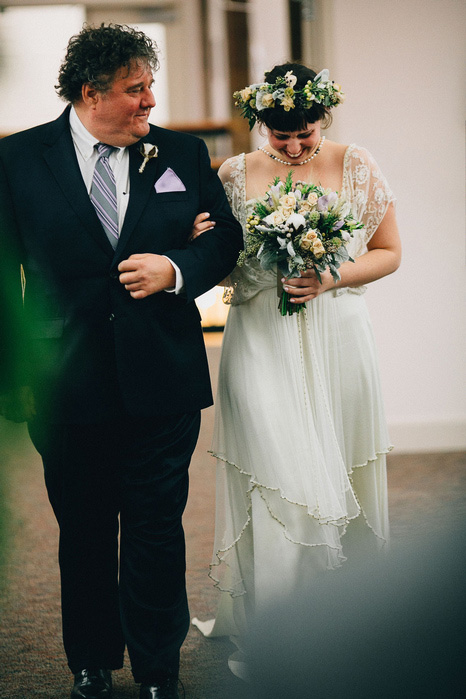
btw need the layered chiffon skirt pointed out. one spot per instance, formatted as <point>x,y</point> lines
<point>300,440</point>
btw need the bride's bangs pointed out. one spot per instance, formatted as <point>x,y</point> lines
<point>295,119</point>
<point>279,120</point>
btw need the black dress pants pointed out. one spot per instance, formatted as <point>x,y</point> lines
<point>130,474</point>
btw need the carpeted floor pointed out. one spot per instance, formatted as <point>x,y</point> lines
<point>423,488</point>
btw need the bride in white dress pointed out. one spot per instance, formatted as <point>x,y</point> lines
<point>300,435</point>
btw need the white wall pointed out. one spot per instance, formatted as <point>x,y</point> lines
<point>269,42</point>
<point>160,114</point>
<point>401,64</point>
<point>33,43</point>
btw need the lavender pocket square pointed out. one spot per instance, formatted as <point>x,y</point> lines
<point>169,182</point>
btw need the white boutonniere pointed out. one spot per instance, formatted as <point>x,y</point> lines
<point>148,151</point>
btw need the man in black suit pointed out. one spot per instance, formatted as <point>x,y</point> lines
<point>117,364</point>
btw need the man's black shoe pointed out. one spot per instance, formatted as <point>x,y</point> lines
<point>92,684</point>
<point>165,689</point>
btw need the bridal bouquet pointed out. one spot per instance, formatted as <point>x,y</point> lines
<point>297,227</point>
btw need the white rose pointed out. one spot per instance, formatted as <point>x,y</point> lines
<point>274,219</point>
<point>305,244</point>
<point>317,248</point>
<point>287,211</point>
<point>288,201</point>
<point>307,240</point>
<point>304,208</point>
<point>245,94</point>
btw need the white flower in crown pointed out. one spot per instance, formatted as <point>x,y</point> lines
<point>284,93</point>
<point>290,79</point>
<point>148,151</point>
<point>322,77</point>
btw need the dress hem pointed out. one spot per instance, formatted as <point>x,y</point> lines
<point>339,523</point>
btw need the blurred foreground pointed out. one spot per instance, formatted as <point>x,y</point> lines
<point>385,630</point>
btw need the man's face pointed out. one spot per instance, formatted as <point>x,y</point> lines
<point>120,115</point>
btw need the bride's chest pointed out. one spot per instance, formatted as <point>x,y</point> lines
<point>256,186</point>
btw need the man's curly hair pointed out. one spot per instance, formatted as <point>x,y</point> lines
<point>95,55</point>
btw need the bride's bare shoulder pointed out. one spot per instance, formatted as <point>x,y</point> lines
<point>336,150</point>
<point>252,158</point>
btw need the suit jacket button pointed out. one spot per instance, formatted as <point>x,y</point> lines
<point>114,275</point>
<point>111,316</point>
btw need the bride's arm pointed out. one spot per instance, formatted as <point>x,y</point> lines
<point>201,222</point>
<point>201,225</point>
<point>383,257</point>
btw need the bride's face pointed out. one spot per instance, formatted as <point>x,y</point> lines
<point>295,145</point>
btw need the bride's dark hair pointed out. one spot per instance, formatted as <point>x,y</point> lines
<point>296,119</point>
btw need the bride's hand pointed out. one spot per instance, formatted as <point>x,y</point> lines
<point>307,286</point>
<point>201,225</point>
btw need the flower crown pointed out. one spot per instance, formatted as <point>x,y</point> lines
<point>254,98</point>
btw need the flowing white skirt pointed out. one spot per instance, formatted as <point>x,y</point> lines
<point>300,440</point>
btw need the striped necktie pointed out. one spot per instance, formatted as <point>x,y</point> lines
<point>103,193</point>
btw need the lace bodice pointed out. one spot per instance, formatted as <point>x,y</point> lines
<point>369,193</point>
<point>363,185</point>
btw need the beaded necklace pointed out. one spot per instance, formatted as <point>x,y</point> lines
<point>303,162</point>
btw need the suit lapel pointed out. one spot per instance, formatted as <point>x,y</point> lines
<point>61,159</point>
<point>141,184</point>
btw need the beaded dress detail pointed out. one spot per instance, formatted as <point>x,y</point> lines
<point>300,434</point>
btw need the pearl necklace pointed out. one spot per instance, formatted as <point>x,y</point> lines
<point>303,162</point>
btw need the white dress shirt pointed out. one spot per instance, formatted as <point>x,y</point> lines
<point>87,155</point>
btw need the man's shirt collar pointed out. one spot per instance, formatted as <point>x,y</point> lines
<point>85,141</point>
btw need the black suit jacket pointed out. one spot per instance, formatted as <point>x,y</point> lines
<point>93,346</point>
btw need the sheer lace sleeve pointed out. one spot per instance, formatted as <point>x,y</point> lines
<point>246,281</point>
<point>233,176</point>
<point>369,193</point>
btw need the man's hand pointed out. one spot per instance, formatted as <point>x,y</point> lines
<point>18,405</point>
<point>146,274</point>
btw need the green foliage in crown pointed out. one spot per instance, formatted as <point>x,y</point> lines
<point>282,94</point>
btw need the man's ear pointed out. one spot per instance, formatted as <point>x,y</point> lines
<point>90,95</point>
